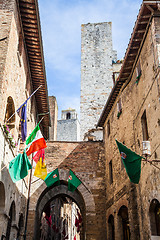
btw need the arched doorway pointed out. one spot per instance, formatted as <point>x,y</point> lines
<point>12,216</point>
<point>57,210</point>
<point>20,227</point>
<point>123,217</point>
<point>2,206</point>
<point>154,214</point>
<point>111,230</point>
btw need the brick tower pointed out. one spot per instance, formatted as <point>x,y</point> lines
<point>97,56</point>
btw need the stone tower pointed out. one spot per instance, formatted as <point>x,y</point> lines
<point>96,72</point>
<point>68,128</point>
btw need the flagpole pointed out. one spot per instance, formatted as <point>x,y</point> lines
<point>82,183</point>
<point>25,101</point>
<point>29,190</point>
<point>150,161</point>
<point>28,200</point>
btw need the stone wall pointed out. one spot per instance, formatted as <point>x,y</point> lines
<point>13,193</point>
<point>15,83</point>
<point>96,72</point>
<point>15,77</point>
<point>68,130</point>
<point>136,98</point>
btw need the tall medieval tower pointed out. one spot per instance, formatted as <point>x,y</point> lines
<point>97,56</point>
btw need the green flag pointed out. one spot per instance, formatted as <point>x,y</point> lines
<point>52,178</point>
<point>73,181</point>
<point>131,161</point>
<point>19,166</point>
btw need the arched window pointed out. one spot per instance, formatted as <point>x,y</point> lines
<point>123,214</point>
<point>154,213</point>
<point>68,115</point>
<point>111,234</point>
<point>10,110</point>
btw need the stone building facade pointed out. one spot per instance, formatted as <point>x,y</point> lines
<point>68,128</point>
<point>111,206</point>
<point>18,79</point>
<point>53,115</point>
<point>86,159</point>
<point>131,115</point>
<point>97,56</point>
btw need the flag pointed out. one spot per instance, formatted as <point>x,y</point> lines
<point>49,220</point>
<point>37,155</point>
<point>52,178</point>
<point>40,170</point>
<point>19,166</point>
<point>131,161</point>
<point>22,112</point>
<point>73,181</point>
<point>35,141</point>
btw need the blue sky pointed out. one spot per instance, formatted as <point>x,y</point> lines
<point>61,33</point>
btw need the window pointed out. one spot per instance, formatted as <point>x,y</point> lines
<point>108,128</point>
<point>68,116</point>
<point>119,108</point>
<point>20,44</point>
<point>10,110</point>
<point>144,127</point>
<point>110,172</point>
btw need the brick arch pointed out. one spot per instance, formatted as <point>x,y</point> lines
<point>122,202</point>
<point>81,197</point>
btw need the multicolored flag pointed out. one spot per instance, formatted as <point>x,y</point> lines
<point>131,161</point>
<point>22,112</point>
<point>73,181</point>
<point>40,170</point>
<point>52,178</point>
<point>19,166</point>
<point>35,141</point>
